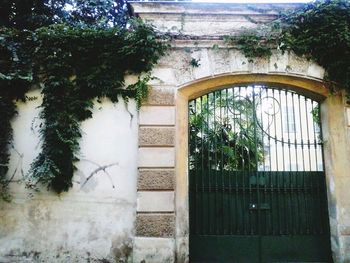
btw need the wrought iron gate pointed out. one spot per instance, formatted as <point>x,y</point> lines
<point>256,179</point>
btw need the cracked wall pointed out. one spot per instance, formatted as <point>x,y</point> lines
<point>95,219</point>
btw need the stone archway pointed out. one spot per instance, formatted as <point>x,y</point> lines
<point>302,85</point>
<point>165,155</point>
<point>162,211</point>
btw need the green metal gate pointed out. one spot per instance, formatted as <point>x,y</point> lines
<point>256,178</point>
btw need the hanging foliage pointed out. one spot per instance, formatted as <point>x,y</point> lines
<point>15,78</point>
<point>74,65</point>
<point>319,31</point>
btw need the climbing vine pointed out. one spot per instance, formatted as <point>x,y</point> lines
<point>15,77</point>
<point>77,66</point>
<point>74,66</point>
<point>319,31</point>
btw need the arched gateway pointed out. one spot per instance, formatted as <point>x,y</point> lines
<point>255,180</point>
<point>231,168</point>
<point>257,189</point>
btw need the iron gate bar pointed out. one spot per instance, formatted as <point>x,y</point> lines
<point>277,179</point>
<point>270,164</point>
<point>259,230</point>
<point>296,230</point>
<point>235,153</point>
<point>202,157</point>
<point>208,160</point>
<point>215,164</point>
<point>308,145</point>
<point>221,163</point>
<point>290,205</point>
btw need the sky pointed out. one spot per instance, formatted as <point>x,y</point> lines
<point>254,1</point>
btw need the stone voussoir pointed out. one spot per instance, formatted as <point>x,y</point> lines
<point>156,179</point>
<point>156,136</point>
<point>155,225</point>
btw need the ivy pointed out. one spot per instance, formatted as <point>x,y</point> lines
<point>194,63</point>
<point>15,77</point>
<point>319,31</point>
<point>257,43</point>
<point>74,66</point>
<point>77,66</point>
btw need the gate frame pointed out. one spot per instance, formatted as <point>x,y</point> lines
<point>304,86</point>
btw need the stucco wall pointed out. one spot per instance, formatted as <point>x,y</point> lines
<point>94,221</point>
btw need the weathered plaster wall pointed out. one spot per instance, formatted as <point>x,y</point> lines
<point>89,223</point>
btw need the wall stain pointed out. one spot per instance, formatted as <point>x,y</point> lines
<point>121,248</point>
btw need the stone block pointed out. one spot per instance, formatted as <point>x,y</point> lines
<point>156,179</point>
<point>238,62</point>
<point>315,71</point>
<point>160,201</point>
<point>180,62</point>
<point>348,115</point>
<point>155,225</point>
<point>203,70</point>
<point>157,115</point>
<point>297,65</point>
<point>156,157</point>
<point>278,62</point>
<point>167,60</point>
<point>164,76</point>
<point>156,136</point>
<point>161,96</point>
<point>220,61</point>
<point>259,65</point>
<point>153,250</point>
